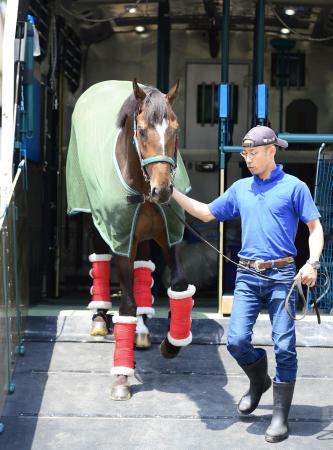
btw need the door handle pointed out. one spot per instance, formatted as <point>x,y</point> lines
<point>206,166</point>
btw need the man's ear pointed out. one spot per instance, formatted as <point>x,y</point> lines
<point>273,150</point>
<point>139,93</point>
<point>172,94</point>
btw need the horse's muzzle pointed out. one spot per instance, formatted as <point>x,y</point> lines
<point>161,194</point>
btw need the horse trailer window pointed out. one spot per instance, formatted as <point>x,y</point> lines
<point>207,103</point>
<point>288,69</point>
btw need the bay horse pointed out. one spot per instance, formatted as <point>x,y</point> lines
<point>122,164</point>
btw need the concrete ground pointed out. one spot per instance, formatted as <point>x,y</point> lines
<point>62,397</point>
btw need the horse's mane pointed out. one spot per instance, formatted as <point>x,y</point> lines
<point>154,107</point>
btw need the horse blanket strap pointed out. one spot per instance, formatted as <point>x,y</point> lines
<point>264,265</point>
<point>135,198</point>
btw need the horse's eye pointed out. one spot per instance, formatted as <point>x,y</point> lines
<point>142,132</point>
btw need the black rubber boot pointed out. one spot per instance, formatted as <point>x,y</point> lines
<point>259,383</point>
<point>282,397</point>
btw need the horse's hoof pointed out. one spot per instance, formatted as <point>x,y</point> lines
<point>98,327</point>
<point>121,390</point>
<point>168,350</point>
<point>142,341</point>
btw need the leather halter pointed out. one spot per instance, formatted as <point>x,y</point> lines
<point>152,159</point>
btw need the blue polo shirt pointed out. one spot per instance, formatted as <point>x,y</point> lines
<point>270,210</point>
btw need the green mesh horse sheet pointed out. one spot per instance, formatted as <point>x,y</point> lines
<point>94,182</point>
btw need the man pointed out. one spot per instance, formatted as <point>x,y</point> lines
<point>270,203</point>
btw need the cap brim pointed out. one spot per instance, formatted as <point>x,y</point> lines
<point>281,143</point>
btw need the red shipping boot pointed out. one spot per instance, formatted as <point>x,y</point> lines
<point>100,292</point>
<point>181,304</point>
<point>123,359</point>
<point>142,284</point>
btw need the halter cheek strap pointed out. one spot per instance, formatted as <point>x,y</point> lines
<point>152,159</point>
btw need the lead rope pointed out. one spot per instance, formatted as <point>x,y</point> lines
<point>315,301</point>
<point>296,282</point>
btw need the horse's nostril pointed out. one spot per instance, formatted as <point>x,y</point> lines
<point>171,188</point>
<point>161,194</point>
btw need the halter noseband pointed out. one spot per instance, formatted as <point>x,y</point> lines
<point>152,159</point>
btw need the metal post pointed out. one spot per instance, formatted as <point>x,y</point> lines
<point>258,51</point>
<point>225,42</point>
<point>281,108</point>
<point>20,347</point>
<point>59,187</point>
<point>10,386</point>
<point>223,128</point>
<point>163,46</point>
<point>307,138</point>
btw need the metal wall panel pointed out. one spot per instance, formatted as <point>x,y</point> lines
<point>3,331</point>
<point>13,287</point>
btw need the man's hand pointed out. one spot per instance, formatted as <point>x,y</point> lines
<point>308,275</point>
<point>194,207</point>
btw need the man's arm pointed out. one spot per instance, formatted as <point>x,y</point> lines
<point>316,239</point>
<point>194,207</point>
<point>316,244</point>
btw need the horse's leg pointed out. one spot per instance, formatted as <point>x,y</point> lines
<point>142,284</point>
<point>124,330</point>
<point>100,290</point>
<point>181,302</point>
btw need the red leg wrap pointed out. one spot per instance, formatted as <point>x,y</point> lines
<point>180,324</point>
<point>101,275</point>
<point>100,290</point>
<point>124,348</point>
<point>142,284</point>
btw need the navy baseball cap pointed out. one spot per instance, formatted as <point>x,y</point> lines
<point>261,135</point>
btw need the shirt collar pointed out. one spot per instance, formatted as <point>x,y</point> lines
<point>276,173</point>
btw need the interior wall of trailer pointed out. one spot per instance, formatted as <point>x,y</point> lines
<point>318,84</point>
<point>128,56</point>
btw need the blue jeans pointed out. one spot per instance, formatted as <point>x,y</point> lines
<point>250,292</point>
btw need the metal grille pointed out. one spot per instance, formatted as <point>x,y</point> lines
<point>324,200</point>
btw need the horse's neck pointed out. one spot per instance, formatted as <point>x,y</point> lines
<point>128,159</point>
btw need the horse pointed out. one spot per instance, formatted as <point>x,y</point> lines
<point>122,163</point>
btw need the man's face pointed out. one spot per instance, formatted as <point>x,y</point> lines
<point>258,159</point>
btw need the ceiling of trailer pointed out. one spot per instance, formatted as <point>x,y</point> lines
<point>312,18</point>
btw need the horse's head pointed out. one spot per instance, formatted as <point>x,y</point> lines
<point>156,138</point>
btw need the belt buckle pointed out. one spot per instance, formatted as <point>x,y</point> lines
<point>256,265</point>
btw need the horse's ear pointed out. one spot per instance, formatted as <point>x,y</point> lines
<point>172,94</point>
<point>138,92</point>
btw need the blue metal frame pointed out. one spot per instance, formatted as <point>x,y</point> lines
<point>261,103</point>
<point>307,138</point>
<point>224,118</point>
<point>224,100</point>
